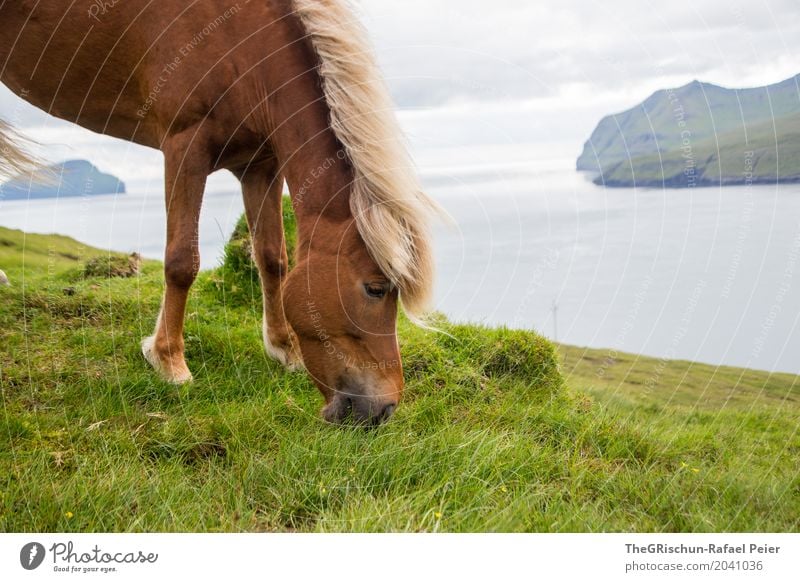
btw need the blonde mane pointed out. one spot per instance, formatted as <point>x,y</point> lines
<point>390,209</point>
<point>14,159</point>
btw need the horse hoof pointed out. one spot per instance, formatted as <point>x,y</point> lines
<point>174,373</point>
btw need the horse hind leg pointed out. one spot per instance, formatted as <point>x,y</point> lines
<point>186,169</point>
<point>262,190</point>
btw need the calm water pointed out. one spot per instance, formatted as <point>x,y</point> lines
<point>707,274</point>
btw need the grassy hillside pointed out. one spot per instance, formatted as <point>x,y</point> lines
<point>488,437</point>
<point>697,119</point>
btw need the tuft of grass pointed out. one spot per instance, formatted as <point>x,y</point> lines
<point>113,266</point>
<point>499,429</point>
<point>237,279</point>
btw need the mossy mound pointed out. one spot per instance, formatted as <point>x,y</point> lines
<point>474,357</point>
<point>113,266</point>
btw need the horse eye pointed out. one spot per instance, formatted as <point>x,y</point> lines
<point>375,290</point>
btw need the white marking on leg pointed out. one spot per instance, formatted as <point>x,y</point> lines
<point>170,375</point>
<point>149,352</point>
<point>278,353</point>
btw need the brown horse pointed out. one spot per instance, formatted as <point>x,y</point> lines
<point>271,90</point>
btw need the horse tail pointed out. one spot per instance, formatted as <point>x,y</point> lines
<point>14,156</point>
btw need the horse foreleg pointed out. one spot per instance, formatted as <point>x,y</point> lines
<point>186,169</point>
<point>262,189</point>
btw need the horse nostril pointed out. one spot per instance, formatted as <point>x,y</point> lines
<point>366,411</point>
<point>387,411</point>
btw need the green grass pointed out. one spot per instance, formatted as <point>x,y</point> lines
<point>488,438</point>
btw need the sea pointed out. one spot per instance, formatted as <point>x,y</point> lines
<point>704,274</point>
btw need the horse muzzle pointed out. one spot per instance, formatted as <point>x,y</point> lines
<point>360,410</point>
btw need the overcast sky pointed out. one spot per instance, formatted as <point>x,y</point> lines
<point>530,77</point>
<point>438,51</point>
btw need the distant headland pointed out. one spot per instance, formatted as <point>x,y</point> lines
<point>67,179</point>
<point>700,135</point>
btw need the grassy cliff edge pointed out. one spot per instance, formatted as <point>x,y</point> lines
<point>488,438</point>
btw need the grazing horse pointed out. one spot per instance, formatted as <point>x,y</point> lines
<point>270,90</point>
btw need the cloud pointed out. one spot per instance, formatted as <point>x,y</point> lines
<point>434,53</point>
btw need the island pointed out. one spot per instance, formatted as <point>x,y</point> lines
<point>67,179</point>
<point>700,134</point>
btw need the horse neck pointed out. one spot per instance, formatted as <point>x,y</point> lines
<point>319,179</point>
<point>311,160</point>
